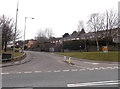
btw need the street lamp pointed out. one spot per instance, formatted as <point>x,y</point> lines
<point>25,30</point>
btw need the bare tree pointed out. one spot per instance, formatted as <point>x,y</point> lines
<point>96,23</point>
<point>111,22</point>
<point>49,32</point>
<point>111,19</point>
<point>7,26</point>
<point>43,38</point>
<point>80,26</point>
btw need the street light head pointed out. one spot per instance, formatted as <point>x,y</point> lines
<point>29,18</point>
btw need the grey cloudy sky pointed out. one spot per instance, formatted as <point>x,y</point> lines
<point>59,15</point>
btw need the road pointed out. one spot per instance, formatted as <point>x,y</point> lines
<point>50,70</point>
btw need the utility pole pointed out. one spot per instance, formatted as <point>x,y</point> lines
<point>25,30</point>
<point>0,41</point>
<point>14,39</point>
<point>24,34</point>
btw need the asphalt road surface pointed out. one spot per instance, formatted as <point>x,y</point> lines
<point>50,70</point>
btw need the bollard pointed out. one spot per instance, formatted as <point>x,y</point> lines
<point>70,60</point>
<point>65,58</point>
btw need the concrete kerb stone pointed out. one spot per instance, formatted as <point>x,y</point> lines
<point>21,60</point>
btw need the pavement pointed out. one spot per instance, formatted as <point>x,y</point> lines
<point>51,70</point>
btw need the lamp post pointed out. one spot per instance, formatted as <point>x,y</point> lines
<point>25,31</point>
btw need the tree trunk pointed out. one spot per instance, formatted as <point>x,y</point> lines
<point>5,47</point>
<point>97,44</point>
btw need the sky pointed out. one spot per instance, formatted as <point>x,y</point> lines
<point>62,16</point>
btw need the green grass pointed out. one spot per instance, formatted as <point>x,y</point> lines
<point>97,56</point>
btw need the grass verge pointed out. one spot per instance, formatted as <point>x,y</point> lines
<point>97,56</point>
<point>16,53</point>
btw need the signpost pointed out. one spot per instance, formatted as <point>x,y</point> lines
<point>105,49</point>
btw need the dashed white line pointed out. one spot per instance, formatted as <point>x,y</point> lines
<point>98,68</point>
<point>65,70</point>
<point>92,63</point>
<point>5,73</point>
<point>116,67</point>
<point>109,67</point>
<point>57,71</point>
<point>37,71</point>
<point>81,69</point>
<point>91,69</point>
<point>74,70</point>
<point>28,72</point>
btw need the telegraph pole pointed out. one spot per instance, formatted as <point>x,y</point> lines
<point>0,41</point>
<point>14,39</point>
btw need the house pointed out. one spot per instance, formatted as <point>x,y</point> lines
<point>31,43</point>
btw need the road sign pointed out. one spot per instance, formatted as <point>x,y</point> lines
<point>105,49</point>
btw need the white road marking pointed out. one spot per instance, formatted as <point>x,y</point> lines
<point>5,73</point>
<point>98,68</point>
<point>95,63</point>
<point>65,70</point>
<point>74,70</point>
<point>37,71</point>
<point>92,63</point>
<point>112,67</point>
<point>116,67</point>
<point>57,71</point>
<point>94,83</point>
<point>91,69</point>
<point>27,72</point>
<point>87,68</point>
